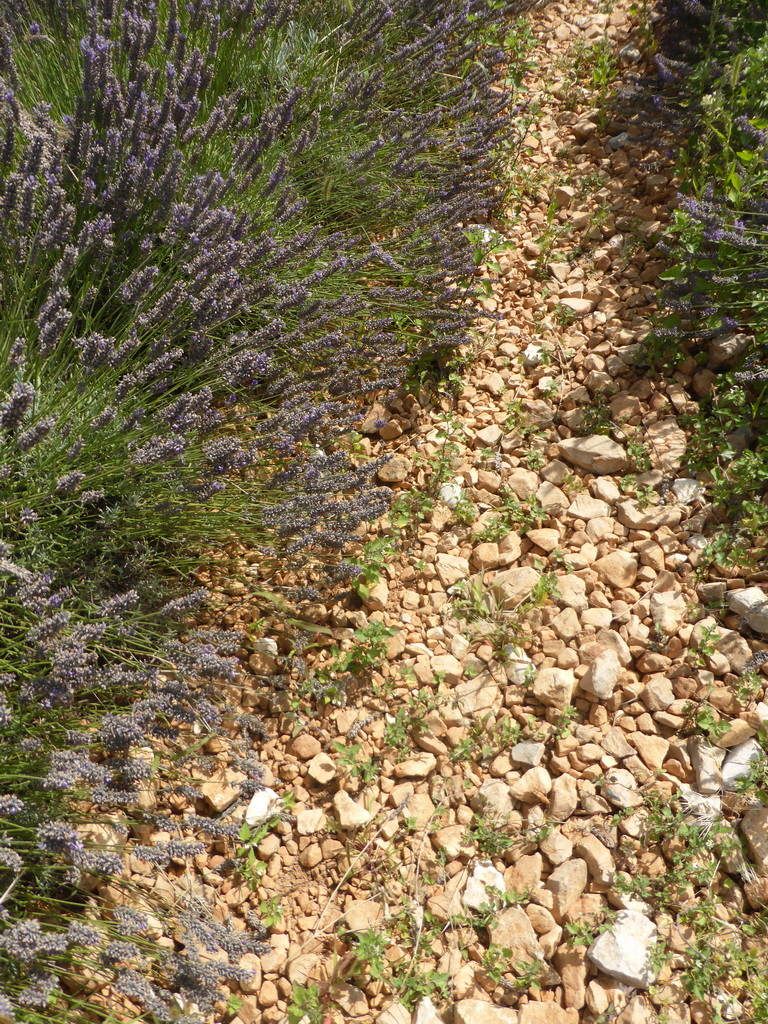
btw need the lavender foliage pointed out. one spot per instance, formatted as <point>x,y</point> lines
<point>226,225</point>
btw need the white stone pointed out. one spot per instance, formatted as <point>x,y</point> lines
<point>531,355</point>
<point>707,765</point>
<point>517,665</point>
<point>451,494</point>
<point>738,763</point>
<point>426,1013</point>
<point>603,675</point>
<point>668,611</point>
<point>623,952</point>
<point>484,877</point>
<point>752,604</point>
<point>264,804</point>
<point>687,490</point>
<point>528,753</point>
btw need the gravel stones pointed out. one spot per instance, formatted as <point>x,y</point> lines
<point>478,1011</point>
<point>483,877</point>
<point>596,454</point>
<point>566,883</point>
<point>617,569</point>
<point>623,951</point>
<point>603,675</point>
<point>752,604</point>
<point>554,687</point>
<point>396,470</point>
<point>514,585</point>
<point>451,569</point>
<point>349,814</point>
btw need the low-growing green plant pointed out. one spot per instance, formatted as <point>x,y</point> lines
<point>363,768</point>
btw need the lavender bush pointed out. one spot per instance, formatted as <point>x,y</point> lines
<point>713,60</point>
<point>223,225</point>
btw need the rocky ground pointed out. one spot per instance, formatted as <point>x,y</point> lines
<point>558,675</point>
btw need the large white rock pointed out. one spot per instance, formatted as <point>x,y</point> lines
<point>517,665</point>
<point>426,1013</point>
<point>264,804</point>
<point>739,761</point>
<point>483,877</point>
<point>597,454</point>
<point>688,490</point>
<point>752,604</point>
<point>623,952</point>
<point>668,610</point>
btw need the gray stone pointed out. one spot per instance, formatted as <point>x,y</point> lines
<point>706,762</point>
<point>623,138</point>
<point>726,349</point>
<point>527,753</point>
<point>596,454</point>
<point>396,470</point>
<point>752,604</point>
<point>566,883</point>
<point>603,675</point>
<point>493,800</point>
<point>623,952</point>
<point>620,789</point>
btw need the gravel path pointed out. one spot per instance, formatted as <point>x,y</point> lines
<point>553,646</point>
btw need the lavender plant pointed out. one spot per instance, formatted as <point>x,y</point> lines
<point>715,304</point>
<point>223,225</point>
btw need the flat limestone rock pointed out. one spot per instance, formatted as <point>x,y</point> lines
<point>477,1011</point>
<point>623,952</point>
<point>596,453</point>
<point>752,604</point>
<point>514,585</point>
